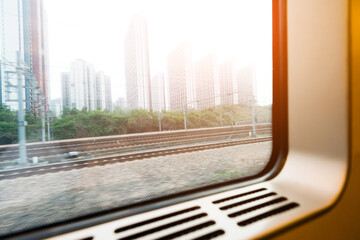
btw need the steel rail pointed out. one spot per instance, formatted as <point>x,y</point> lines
<point>58,167</point>
<point>49,151</point>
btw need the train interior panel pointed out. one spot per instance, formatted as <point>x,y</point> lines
<point>180,119</point>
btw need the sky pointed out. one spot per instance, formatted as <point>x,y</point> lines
<point>94,31</point>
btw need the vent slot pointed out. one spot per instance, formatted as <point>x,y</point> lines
<point>211,235</point>
<point>247,210</point>
<point>139,224</point>
<point>165,226</point>
<point>247,201</point>
<point>187,230</point>
<point>87,238</point>
<point>268,214</point>
<point>238,195</point>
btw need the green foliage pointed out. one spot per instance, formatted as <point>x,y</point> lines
<point>141,121</point>
<point>33,128</point>
<point>8,132</point>
<point>172,120</point>
<point>83,123</point>
<point>8,125</point>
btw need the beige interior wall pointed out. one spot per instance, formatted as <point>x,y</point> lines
<point>343,221</point>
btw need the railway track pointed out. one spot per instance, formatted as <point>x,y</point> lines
<point>58,167</point>
<point>62,147</point>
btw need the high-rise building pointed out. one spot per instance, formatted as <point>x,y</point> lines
<point>228,82</point>
<point>65,87</point>
<point>158,92</point>
<point>137,70</point>
<point>83,88</point>
<point>207,82</point>
<point>108,96</point>
<point>120,103</point>
<point>24,30</point>
<point>181,82</point>
<point>14,30</point>
<point>91,85</point>
<point>100,91</point>
<point>79,85</point>
<point>39,46</point>
<point>56,106</point>
<point>246,85</point>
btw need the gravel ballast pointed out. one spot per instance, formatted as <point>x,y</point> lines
<point>42,199</point>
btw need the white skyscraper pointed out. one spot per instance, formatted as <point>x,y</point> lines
<point>246,85</point>
<point>23,29</point>
<point>207,82</point>
<point>108,96</point>
<point>158,92</point>
<point>181,78</point>
<point>79,89</point>
<point>90,71</point>
<point>100,91</point>
<point>82,87</point>
<point>228,82</point>
<point>65,87</point>
<point>138,91</point>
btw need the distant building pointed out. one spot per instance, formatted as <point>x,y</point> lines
<point>24,30</point>
<point>108,96</point>
<point>100,91</point>
<point>56,106</point>
<point>246,85</point>
<point>207,82</point>
<point>137,69</point>
<point>65,87</point>
<point>120,103</point>
<point>228,82</point>
<point>83,88</point>
<point>158,100</point>
<point>79,85</point>
<point>180,73</point>
<point>91,86</point>
<point>39,47</point>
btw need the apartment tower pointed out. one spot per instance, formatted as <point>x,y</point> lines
<point>181,79</point>
<point>137,69</point>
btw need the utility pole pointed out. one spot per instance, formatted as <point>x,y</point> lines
<point>48,122</point>
<point>232,118</point>
<point>159,117</point>
<point>221,120</point>
<point>21,117</point>
<point>253,116</point>
<point>184,117</point>
<point>43,120</point>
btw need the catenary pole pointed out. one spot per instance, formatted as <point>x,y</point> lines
<point>159,117</point>
<point>43,120</point>
<point>21,117</point>
<point>48,122</point>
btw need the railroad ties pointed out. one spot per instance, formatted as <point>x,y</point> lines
<point>119,145</point>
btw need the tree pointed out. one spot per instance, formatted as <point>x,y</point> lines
<point>8,125</point>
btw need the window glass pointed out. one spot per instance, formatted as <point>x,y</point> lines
<point>107,103</point>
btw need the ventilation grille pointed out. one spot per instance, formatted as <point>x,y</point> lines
<point>253,206</point>
<point>191,223</point>
<point>239,213</point>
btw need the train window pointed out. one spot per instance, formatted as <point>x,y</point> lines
<point>113,104</point>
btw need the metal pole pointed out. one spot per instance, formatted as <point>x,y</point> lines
<point>159,117</point>
<point>185,120</point>
<point>21,117</point>
<point>184,112</point>
<point>43,121</point>
<point>221,120</point>
<point>253,116</point>
<point>48,124</point>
